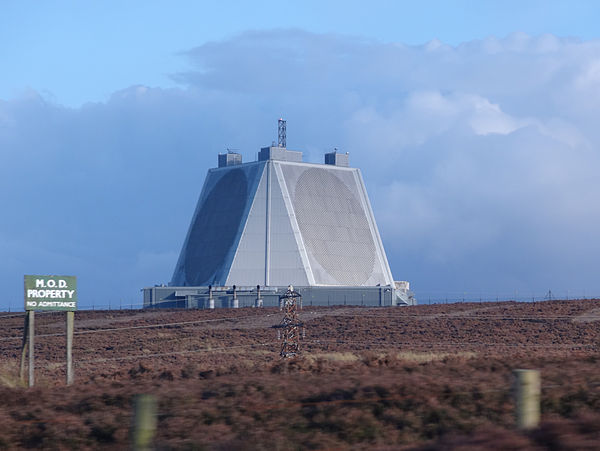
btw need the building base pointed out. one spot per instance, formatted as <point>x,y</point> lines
<point>223,297</point>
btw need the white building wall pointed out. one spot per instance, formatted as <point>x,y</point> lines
<point>248,266</point>
<point>286,266</point>
<point>302,224</point>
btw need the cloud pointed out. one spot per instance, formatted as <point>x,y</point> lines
<point>480,159</point>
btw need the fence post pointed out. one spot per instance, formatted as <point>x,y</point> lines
<point>144,422</point>
<point>527,393</point>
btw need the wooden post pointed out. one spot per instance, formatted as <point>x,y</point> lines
<point>527,392</point>
<point>70,321</point>
<point>24,349</point>
<point>31,332</point>
<point>144,422</point>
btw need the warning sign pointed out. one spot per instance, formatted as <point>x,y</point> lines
<point>51,293</point>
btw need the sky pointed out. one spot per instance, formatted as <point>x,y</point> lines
<point>474,125</point>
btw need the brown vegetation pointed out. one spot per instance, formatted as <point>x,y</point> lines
<point>426,377</point>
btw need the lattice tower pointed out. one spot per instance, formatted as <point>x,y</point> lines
<point>281,133</point>
<point>290,327</point>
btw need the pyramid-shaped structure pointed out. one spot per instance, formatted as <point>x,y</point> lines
<point>280,221</point>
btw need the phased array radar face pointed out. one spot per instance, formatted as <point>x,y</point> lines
<point>334,227</point>
<point>215,227</point>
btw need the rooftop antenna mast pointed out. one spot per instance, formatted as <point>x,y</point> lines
<point>281,133</point>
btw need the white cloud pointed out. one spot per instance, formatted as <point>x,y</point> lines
<point>481,159</point>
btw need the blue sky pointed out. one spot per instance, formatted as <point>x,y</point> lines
<point>76,52</point>
<point>474,124</point>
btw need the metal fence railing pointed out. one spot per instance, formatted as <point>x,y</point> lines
<point>423,298</point>
<point>439,297</point>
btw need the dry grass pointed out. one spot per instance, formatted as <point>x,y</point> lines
<point>588,317</point>
<point>434,377</point>
<point>55,365</point>
<point>414,357</point>
<point>426,357</point>
<point>334,356</point>
<point>9,374</point>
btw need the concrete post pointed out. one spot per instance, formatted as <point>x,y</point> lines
<point>235,303</point>
<point>211,300</point>
<point>259,301</point>
<point>527,393</point>
<point>144,422</point>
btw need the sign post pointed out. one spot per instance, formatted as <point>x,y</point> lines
<point>49,293</point>
<point>24,349</point>
<point>70,320</point>
<point>30,327</point>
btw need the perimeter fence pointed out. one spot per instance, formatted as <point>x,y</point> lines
<point>452,297</point>
<point>422,297</point>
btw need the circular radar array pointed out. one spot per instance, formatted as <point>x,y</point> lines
<point>215,228</point>
<point>334,227</point>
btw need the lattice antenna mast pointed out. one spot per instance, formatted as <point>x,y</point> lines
<point>290,327</point>
<point>281,133</point>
